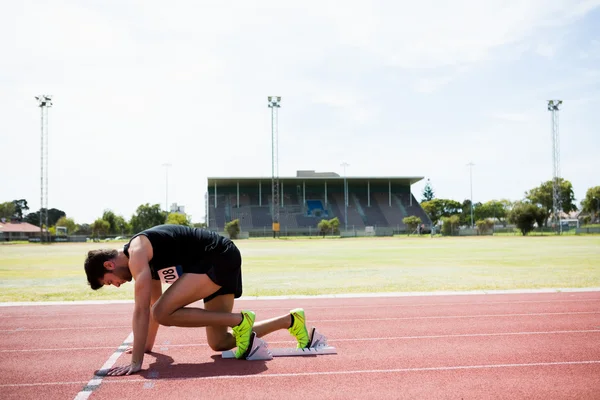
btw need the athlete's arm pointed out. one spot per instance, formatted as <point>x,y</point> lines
<point>140,253</point>
<point>156,292</point>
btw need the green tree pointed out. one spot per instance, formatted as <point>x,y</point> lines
<point>428,193</point>
<point>324,227</point>
<point>438,208</point>
<point>542,196</point>
<point>146,217</point>
<point>465,215</point>
<point>7,210</point>
<point>334,225</point>
<point>83,229</point>
<point>591,202</point>
<point>118,225</point>
<point>110,217</point>
<point>494,209</point>
<point>233,228</point>
<point>200,225</point>
<point>524,215</point>
<point>54,215</point>
<point>21,209</point>
<point>100,227</point>
<point>122,227</point>
<point>411,223</point>
<point>178,219</point>
<point>67,223</point>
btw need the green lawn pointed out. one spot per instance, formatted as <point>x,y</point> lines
<point>33,272</point>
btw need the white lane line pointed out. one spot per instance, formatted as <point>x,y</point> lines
<point>64,329</point>
<point>329,296</point>
<point>457,335</point>
<point>95,382</point>
<point>340,320</point>
<point>57,349</point>
<point>347,372</point>
<point>460,335</point>
<point>385,371</point>
<point>458,316</point>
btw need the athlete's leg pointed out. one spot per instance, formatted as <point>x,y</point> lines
<point>218,337</point>
<point>171,310</point>
<point>267,326</point>
<point>297,328</point>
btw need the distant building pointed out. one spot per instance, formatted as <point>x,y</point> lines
<point>359,203</point>
<point>175,208</point>
<point>18,231</point>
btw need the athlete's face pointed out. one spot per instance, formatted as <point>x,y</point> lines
<point>116,275</point>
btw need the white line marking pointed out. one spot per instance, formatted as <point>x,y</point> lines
<point>348,372</point>
<point>95,382</point>
<point>387,371</point>
<point>343,320</point>
<point>42,384</point>
<point>328,296</point>
<point>58,349</point>
<point>64,329</point>
<point>341,339</point>
<point>459,335</point>
<point>457,316</point>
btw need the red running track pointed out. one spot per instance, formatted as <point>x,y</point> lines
<point>501,346</point>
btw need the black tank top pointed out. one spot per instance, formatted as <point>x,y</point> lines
<point>187,249</point>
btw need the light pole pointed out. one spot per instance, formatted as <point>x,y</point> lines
<point>471,183</point>
<point>167,165</point>
<point>345,164</point>
<point>274,103</point>
<point>44,102</point>
<point>553,107</point>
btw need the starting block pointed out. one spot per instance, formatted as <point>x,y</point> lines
<point>259,349</point>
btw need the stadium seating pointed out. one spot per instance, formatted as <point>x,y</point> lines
<point>295,217</point>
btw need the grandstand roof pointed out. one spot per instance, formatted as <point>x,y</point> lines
<point>226,181</point>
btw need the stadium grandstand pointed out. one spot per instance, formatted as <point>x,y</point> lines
<point>376,204</point>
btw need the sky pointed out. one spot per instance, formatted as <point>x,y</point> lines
<point>393,88</point>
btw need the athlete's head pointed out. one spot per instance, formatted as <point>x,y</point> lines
<point>102,267</point>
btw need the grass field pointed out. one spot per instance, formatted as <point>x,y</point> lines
<point>33,272</point>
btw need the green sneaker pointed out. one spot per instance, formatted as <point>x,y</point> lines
<point>243,332</point>
<point>298,329</point>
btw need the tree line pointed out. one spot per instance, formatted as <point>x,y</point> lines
<point>109,224</point>
<point>535,208</point>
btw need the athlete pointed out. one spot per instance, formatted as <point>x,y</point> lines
<point>199,265</point>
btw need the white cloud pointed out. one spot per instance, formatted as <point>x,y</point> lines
<point>430,85</point>
<point>592,52</point>
<point>512,116</point>
<point>546,50</point>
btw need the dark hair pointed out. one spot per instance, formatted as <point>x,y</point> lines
<point>94,265</point>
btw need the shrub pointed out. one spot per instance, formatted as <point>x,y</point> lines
<point>450,225</point>
<point>484,226</point>
<point>233,228</point>
<point>411,223</point>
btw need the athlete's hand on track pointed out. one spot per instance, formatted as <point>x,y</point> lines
<point>124,370</point>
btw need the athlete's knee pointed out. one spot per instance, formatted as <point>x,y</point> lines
<point>161,314</point>
<point>221,343</point>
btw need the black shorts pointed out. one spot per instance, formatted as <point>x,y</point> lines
<point>226,271</point>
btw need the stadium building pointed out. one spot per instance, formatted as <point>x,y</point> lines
<point>375,204</point>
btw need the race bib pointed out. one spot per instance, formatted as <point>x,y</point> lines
<point>170,274</point>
